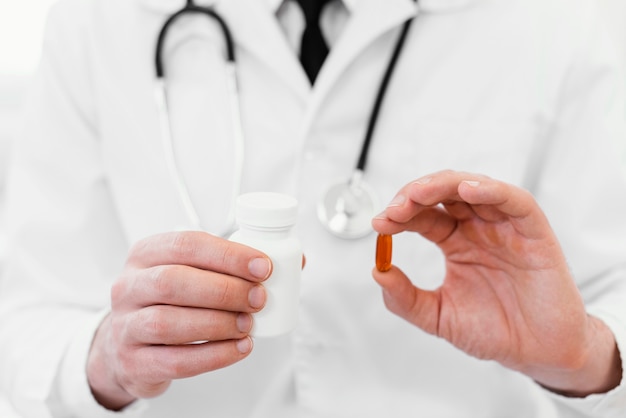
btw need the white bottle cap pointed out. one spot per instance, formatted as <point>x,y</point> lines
<point>266,210</point>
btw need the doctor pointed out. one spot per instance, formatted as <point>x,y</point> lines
<point>496,147</point>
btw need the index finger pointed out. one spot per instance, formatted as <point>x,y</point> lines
<point>468,195</point>
<point>424,193</point>
<point>201,250</point>
<point>518,205</point>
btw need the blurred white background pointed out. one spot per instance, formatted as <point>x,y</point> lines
<point>21,31</point>
<point>614,12</point>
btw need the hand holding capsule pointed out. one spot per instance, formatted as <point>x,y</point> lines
<point>507,294</point>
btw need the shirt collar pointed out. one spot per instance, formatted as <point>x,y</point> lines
<point>427,5</point>
<point>274,5</point>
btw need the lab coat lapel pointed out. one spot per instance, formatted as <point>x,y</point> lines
<point>369,19</point>
<point>257,31</point>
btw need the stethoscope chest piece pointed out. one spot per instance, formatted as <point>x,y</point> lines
<point>347,208</point>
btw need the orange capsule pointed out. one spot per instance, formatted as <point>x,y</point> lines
<point>384,245</point>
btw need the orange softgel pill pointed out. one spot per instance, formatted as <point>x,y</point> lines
<point>384,245</point>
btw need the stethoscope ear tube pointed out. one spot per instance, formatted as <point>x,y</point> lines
<point>191,8</point>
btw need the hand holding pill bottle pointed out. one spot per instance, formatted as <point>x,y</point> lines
<point>265,222</point>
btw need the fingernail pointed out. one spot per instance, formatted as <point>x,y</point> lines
<point>423,180</point>
<point>381,215</point>
<point>256,297</point>
<point>472,183</point>
<point>397,201</point>
<point>244,345</point>
<point>260,267</point>
<point>244,322</point>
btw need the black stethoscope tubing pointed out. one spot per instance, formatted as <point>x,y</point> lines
<point>382,89</point>
<point>191,8</point>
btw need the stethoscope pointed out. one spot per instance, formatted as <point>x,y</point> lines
<point>346,208</point>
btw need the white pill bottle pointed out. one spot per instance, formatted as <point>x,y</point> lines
<point>266,222</point>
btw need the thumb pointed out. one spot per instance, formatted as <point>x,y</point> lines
<point>417,306</point>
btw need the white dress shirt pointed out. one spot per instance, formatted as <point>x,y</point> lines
<point>291,18</point>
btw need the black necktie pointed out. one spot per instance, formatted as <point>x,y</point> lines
<point>313,49</point>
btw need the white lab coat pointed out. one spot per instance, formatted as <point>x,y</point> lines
<point>521,90</point>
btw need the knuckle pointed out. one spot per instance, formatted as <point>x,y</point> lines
<point>154,321</point>
<point>183,245</point>
<point>137,249</point>
<point>119,331</point>
<point>222,292</point>
<point>175,365</point>
<point>125,376</point>
<point>118,292</point>
<point>127,367</point>
<point>163,284</point>
<point>227,254</point>
<point>137,385</point>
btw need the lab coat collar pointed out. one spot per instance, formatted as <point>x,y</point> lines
<point>258,33</point>
<point>368,21</point>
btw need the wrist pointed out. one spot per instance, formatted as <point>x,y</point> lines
<point>597,370</point>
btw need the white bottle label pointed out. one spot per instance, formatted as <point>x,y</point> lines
<point>280,313</point>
